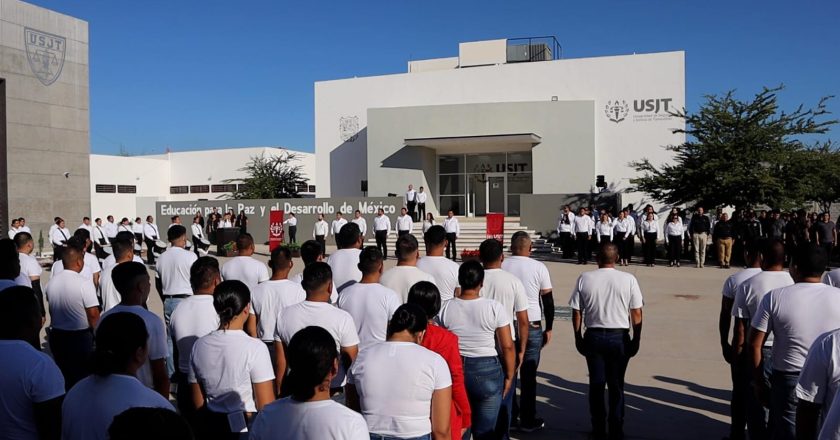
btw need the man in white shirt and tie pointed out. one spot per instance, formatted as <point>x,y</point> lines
<point>58,237</point>
<point>564,228</point>
<point>151,233</point>
<point>359,220</point>
<point>320,232</point>
<point>453,231</point>
<point>292,222</point>
<point>411,200</point>
<point>420,197</point>
<point>381,230</point>
<point>404,224</point>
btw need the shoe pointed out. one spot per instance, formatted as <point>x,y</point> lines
<point>670,264</point>
<point>532,426</point>
<point>678,264</point>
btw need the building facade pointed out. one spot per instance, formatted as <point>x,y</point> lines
<point>478,130</point>
<point>44,118</point>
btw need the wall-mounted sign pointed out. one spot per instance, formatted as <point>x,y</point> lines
<point>46,53</point>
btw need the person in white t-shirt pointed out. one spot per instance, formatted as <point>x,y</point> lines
<point>344,262</point>
<point>818,384</point>
<point>369,303</point>
<point>33,387</point>
<point>194,317</point>
<point>401,388</point>
<point>244,267</point>
<point>359,220</point>
<point>608,303</point>
<point>481,325</point>
<point>507,290</point>
<point>133,284</point>
<point>309,413</point>
<point>405,274</point>
<point>110,260</point>
<point>272,296</point>
<point>796,315</point>
<point>92,404</point>
<point>74,312</point>
<point>311,252</point>
<point>537,282</point>
<point>230,372</point>
<point>30,269</point>
<point>444,270</point>
<point>91,262</point>
<point>108,291</point>
<point>316,310</point>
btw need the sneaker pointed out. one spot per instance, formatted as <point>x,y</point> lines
<point>531,426</point>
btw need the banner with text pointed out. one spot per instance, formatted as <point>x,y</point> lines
<point>275,229</point>
<point>495,225</point>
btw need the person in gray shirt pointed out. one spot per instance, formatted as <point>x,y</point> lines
<point>826,232</point>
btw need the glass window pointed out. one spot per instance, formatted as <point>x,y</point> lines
<point>451,164</point>
<point>452,184</point>
<point>486,163</point>
<point>520,183</point>
<point>513,204</point>
<point>519,162</point>
<point>455,203</point>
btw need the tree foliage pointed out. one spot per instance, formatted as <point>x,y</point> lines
<point>269,177</point>
<point>739,153</point>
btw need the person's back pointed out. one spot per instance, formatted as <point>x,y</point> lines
<point>247,269</point>
<point>343,264</point>
<point>173,266</point>
<point>444,271</point>
<point>157,338</point>
<point>69,294</point>
<point>268,299</point>
<point>401,278</point>
<point>474,322</point>
<point>600,293</point>
<point>371,305</point>
<point>316,420</point>
<point>193,318</point>
<point>752,291</point>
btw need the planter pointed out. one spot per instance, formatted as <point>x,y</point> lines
<point>295,253</point>
<point>226,253</point>
<point>465,258</point>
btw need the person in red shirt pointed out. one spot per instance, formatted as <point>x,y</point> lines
<point>444,343</point>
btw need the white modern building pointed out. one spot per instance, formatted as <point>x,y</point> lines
<point>129,186</point>
<point>502,119</point>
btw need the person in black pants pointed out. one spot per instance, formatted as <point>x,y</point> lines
<point>381,229</point>
<point>649,233</point>
<point>673,238</point>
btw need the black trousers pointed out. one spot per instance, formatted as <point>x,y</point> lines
<point>58,251</point>
<point>382,242</point>
<point>827,247</point>
<point>197,244</point>
<point>625,246</point>
<point>451,237</point>
<point>606,360</point>
<point>582,239</point>
<point>421,212</point>
<point>410,207</point>
<point>650,247</point>
<point>138,238</point>
<point>674,248</point>
<point>150,254</point>
<point>323,241</point>
<point>292,234</point>
<point>71,350</point>
<point>566,244</point>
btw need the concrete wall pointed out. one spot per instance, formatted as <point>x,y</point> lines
<point>541,212</point>
<point>566,128</point>
<point>47,121</point>
<point>149,174</point>
<point>620,82</point>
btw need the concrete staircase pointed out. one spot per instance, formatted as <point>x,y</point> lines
<point>473,232</point>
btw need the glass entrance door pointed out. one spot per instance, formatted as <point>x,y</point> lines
<point>487,193</point>
<point>496,191</point>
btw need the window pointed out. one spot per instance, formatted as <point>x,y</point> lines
<point>106,188</point>
<point>302,187</point>
<point>223,188</point>
<point>242,187</point>
<point>312,188</point>
<point>199,189</point>
<point>179,189</point>
<point>127,189</point>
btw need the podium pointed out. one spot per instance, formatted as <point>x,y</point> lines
<point>223,237</point>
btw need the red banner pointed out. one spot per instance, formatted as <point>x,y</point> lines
<point>275,229</point>
<point>495,225</point>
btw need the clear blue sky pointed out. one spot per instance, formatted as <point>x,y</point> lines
<point>208,74</point>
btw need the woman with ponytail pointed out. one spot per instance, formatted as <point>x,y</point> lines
<point>93,402</point>
<point>309,414</point>
<point>403,390</point>
<point>230,373</point>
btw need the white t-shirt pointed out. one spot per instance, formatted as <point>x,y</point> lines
<point>247,269</point>
<point>292,420</point>
<point>445,273</point>
<point>193,318</point>
<point>226,363</point>
<point>29,267</point>
<point>820,376</point>
<point>111,261</point>
<point>268,298</point>
<point>371,305</point>
<point>534,276</point>
<point>750,293</point>
<point>173,266</point>
<point>730,286</point>
<point>832,278</point>
<point>505,288</point>
<point>107,290</point>
<point>400,279</point>
<point>92,404</point>
<point>345,267</point>
<point>797,315</point>
<point>90,267</point>
<point>156,342</point>
<point>29,377</point>
<point>337,322</point>
<point>402,411</point>
<point>474,322</point>
<point>605,297</point>
<point>68,295</point>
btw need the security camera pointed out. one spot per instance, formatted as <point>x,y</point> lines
<point>67,174</point>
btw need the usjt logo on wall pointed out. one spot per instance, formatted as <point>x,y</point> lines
<point>643,110</point>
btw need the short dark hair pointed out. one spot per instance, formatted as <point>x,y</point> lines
<point>310,250</point>
<point>145,423</point>
<point>810,260</point>
<point>348,236</point>
<point>435,236</point>
<point>244,241</point>
<point>9,259</point>
<point>174,217</point>
<point>427,296</point>
<point>77,242</point>
<point>203,272</point>
<point>408,317</point>
<point>72,253</point>
<point>519,240</point>
<point>315,276</point>
<point>229,299</point>
<point>22,238</point>
<point>121,248</point>
<point>773,252</point>
<point>470,275</point>
<point>370,259</point>
<point>490,250</point>
<point>118,337</point>
<point>19,311</point>
<point>125,275</point>
<point>406,245</point>
<point>312,354</point>
<point>125,235</point>
<point>176,232</point>
<point>281,256</point>
<point>608,253</point>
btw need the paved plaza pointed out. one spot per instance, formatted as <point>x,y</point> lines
<point>678,384</point>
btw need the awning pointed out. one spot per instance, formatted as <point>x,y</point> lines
<point>487,143</point>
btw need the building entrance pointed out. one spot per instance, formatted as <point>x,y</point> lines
<point>477,184</point>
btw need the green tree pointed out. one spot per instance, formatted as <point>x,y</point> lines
<point>822,167</point>
<point>269,177</point>
<point>737,153</point>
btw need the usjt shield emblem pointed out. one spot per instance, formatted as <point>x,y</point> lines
<point>45,52</point>
<point>616,110</point>
<point>348,126</point>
